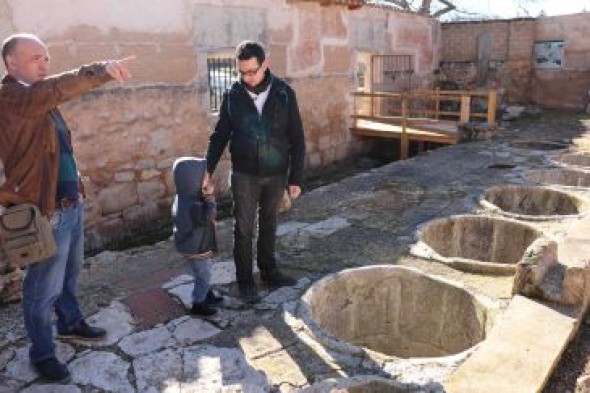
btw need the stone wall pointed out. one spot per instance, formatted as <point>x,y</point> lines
<point>568,87</point>
<point>11,280</point>
<point>511,67</point>
<point>127,137</point>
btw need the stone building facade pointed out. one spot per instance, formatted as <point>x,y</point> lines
<point>126,137</point>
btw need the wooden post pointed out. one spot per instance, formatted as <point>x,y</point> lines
<point>465,109</point>
<point>492,104</point>
<point>354,118</point>
<point>404,143</point>
<point>437,103</point>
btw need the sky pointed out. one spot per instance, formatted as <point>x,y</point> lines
<point>514,8</point>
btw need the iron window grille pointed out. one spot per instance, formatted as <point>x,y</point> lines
<point>222,73</point>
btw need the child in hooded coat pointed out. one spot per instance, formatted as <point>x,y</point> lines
<point>193,213</point>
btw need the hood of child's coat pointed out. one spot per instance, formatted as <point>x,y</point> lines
<point>188,175</point>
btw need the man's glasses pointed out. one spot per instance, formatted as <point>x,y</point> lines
<point>250,72</point>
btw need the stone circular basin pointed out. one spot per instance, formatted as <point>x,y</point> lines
<point>479,244</point>
<point>575,160</point>
<point>538,145</point>
<point>533,203</point>
<point>561,177</point>
<point>394,311</point>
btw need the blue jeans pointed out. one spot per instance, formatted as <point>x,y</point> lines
<point>255,196</point>
<point>201,269</point>
<point>51,284</point>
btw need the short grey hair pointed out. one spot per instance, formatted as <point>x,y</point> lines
<point>9,44</point>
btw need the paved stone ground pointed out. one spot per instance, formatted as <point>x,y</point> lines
<point>140,295</point>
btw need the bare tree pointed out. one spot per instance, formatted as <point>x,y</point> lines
<point>422,7</point>
<point>523,7</point>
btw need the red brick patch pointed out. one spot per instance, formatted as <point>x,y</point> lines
<point>153,307</point>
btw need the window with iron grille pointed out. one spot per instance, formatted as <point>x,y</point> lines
<point>222,73</point>
<point>392,72</point>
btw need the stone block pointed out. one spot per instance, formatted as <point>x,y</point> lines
<point>140,214</point>
<point>281,369</point>
<point>278,59</point>
<point>179,66</point>
<point>337,59</point>
<point>314,160</point>
<point>333,24</point>
<point>125,176</point>
<point>160,142</point>
<point>217,26</point>
<point>11,286</point>
<point>282,36</point>
<point>150,174</point>
<point>498,362</point>
<point>368,35</point>
<point>325,142</point>
<point>150,191</point>
<point>328,156</point>
<point>117,198</point>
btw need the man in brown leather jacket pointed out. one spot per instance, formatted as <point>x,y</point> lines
<point>39,165</point>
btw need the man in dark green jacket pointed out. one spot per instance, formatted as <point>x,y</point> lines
<point>260,120</point>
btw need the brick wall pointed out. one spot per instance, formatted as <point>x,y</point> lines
<point>512,69</point>
<point>509,68</point>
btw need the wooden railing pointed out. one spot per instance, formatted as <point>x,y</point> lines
<point>430,106</point>
<point>423,116</point>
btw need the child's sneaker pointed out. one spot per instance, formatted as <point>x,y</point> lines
<point>203,309</point>
<point>212,298</point>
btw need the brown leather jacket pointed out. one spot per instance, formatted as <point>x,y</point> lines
<point>29,148</point>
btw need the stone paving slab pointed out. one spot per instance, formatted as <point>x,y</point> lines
<point>520,352</point>
<point>574,250</point>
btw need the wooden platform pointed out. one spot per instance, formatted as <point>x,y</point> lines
<point>416,116</point>
<point>421,130</point>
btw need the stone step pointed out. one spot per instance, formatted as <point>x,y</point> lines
<point>520,352</point>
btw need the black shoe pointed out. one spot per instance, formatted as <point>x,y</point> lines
<point>249,293</point>
<point>277,279</point>
<point>53,371</point>
<point>203,309</point>
<point>84,331</point>
<point>212,298</point>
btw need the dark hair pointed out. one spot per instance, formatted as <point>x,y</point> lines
<point>249,49</point>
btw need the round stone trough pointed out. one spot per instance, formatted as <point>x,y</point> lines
<point>393,312</point>
<point>533,202</point>
<point>537,145</point>
<point>564,177</point>
<point>479,244</point>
